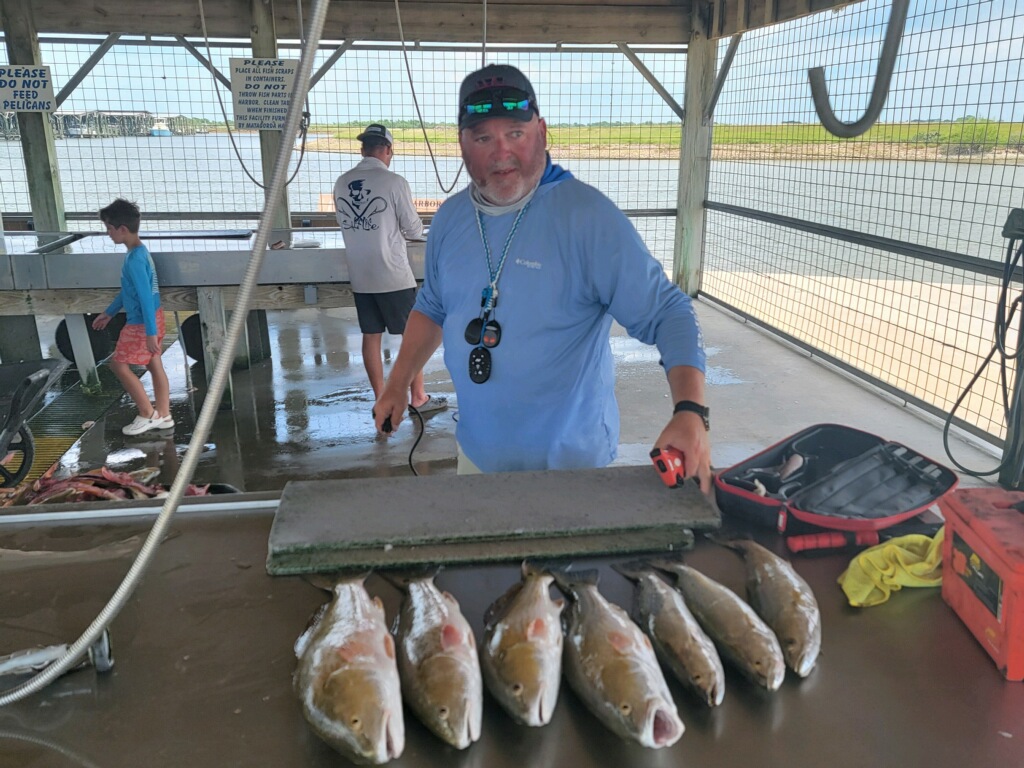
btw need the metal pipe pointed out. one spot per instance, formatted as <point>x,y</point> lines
<point>110,513</point>
<point>880,91</point>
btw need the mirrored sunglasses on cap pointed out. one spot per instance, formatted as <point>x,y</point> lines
<point>495,102</point>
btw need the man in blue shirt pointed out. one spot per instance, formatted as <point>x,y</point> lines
<point>525,271</point>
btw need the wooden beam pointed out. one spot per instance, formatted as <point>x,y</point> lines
<point>21,334</point>
<point>649,22</point>
<point>264,46</point>
<point>44,189</point>
<point>694,158</point>
<point>86,68</point>
<point>66,301</point>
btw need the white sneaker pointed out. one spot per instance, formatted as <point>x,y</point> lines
<point>141,424</point>
<point>167,422</point>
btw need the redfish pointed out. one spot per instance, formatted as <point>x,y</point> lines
<point>611,666</point>
<point>347,677</point>
<point>785,601</point>
<point>740,635</point>
<point>438,662</point>
<point>521,653</point>
<point>678,639</point>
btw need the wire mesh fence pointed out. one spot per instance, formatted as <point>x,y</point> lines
<point>606,124</point>
<point>936,178</point>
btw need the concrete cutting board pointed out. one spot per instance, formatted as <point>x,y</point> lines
<point>328,525</point>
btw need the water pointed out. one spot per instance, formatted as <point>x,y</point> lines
<point>953,206</point>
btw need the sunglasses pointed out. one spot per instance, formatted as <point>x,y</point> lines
<point>499,101</point>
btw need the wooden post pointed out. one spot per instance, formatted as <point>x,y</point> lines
<point>694,156</point>
<point>213,322</point>
<point>81,348</point>
<point>264,45</point>
<point>19,336</point>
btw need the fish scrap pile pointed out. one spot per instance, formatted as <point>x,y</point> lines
<point>353,674</point>
<point>103,484</point>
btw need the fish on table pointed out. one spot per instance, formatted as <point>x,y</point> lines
<point>610,664</point>
<point>678,639</point>
<point>785,601</point>
<point>521,652</point>
<point>347,676</point>
<point>740,635</point>
<point>438,661</point>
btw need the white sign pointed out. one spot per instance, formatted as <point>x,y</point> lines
<point>261,89</point>
<point>26,89</point>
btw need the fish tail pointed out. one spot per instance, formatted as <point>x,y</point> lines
<point>538,568</point>
<point>326,581</point>
<point>667,564</point>
<point>569,581</point>
<point>634,570</point>
<point>402,579</point>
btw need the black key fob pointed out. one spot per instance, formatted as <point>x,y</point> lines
<point>491,334</point>
<point>473,330</point>
<point>479,365</point>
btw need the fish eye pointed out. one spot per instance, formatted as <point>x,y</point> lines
<point>517,688</point>
<point>356,723</point>
<point>625,708</point>
<point>443,712</point>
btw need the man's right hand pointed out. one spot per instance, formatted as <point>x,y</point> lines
<point>389,408</point>
<point>100,321</point>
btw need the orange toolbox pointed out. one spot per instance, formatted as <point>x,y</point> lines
<point>983,570</point>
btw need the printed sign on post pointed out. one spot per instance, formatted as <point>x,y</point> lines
<point>26,89</point>
<point>261,89</point>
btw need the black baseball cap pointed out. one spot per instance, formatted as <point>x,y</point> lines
<point>497,90</point>
<point>376,131</point>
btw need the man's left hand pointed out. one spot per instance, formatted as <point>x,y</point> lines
<point>686,433</point>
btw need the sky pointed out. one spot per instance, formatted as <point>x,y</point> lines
<point>957,58</point>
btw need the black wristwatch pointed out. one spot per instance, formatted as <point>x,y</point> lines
<point>701,410</point>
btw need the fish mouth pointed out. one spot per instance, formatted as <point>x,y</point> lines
<point>538,713</point>
<point>804,663</point>
<point>715,694</point>
<point>666,728</point>
<point>393,747</point>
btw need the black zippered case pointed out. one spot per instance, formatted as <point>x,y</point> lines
<point>832,477</point>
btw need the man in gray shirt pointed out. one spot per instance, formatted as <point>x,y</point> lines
<point>376,215</point>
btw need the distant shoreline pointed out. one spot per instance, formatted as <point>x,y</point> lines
<point>833,150</point>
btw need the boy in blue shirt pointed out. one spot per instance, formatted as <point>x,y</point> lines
<point>140,340</point>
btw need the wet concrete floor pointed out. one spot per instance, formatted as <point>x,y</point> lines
<point>305,413</point>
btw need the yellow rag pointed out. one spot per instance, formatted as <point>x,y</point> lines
<point>913,560</point>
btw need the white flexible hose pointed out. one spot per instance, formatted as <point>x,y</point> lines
<point>216,388</point>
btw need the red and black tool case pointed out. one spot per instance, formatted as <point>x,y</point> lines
<point>830,477</point>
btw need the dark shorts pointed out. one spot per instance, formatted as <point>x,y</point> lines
<point>380,311</point>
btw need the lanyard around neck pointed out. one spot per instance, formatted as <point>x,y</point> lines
<point>490,294</point>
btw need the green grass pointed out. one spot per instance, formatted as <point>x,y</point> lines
<point>972,132</point>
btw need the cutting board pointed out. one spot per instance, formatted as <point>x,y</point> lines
<point>330,525</point>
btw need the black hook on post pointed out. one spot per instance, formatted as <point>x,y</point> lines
<point>880,92</point>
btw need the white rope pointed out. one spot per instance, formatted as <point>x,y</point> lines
<point>303,126</point>
<point>416,102</point>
